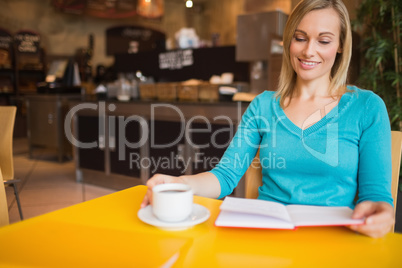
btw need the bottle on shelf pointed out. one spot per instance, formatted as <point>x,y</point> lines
<point>124,88</point>
<point>85,65</point>
<point>132,79</point>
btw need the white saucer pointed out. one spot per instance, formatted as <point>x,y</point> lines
<point>198,215</point>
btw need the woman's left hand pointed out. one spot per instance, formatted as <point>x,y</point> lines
<point>379,218</point>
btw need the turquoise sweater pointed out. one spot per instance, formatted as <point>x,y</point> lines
<point>347,151</point>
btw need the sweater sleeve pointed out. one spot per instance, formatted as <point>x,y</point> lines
<point>241,150</point>
<point>374,175</point>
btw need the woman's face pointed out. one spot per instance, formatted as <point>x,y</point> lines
<point>315,44</point>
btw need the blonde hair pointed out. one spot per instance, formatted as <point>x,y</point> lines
<point>339,72</point>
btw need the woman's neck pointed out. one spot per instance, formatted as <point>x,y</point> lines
<point>310,90</point>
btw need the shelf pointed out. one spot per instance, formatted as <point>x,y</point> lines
<point>31,71</point>
<point>20,81</point>
<point>6,70</point>
<point>6,94</point>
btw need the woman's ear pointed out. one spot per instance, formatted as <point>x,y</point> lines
<point>339,50</point>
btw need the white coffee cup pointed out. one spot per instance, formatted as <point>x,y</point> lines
<point>172,202</point>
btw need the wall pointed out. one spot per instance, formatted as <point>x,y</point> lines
<point>351,5</point>
<point>223,14</point>
<point>63,34</point>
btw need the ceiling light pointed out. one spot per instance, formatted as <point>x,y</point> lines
<point>189,4</point>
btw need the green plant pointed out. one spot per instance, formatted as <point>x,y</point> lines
<point>379,22</point>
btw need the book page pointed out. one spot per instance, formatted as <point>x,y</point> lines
<point>302,215</point>
<point>255,206</point>
<point>246,220</point>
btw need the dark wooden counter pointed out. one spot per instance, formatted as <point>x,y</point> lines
<point>189,136</point>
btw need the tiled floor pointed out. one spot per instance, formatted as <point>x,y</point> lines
<point>46,185</point>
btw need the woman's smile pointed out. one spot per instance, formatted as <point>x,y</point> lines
<point>308,64</point>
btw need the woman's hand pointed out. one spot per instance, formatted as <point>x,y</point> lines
<point>155,180</point>
<point>203,184</point>
<point>379,218</point>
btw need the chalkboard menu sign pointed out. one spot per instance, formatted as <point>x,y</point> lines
<point>111,9</point>
<point>6,49</point>
<point>27,42</point>
<point>133,39</point>
<point>27,45</point>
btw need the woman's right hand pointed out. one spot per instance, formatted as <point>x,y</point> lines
<point>155,180</point>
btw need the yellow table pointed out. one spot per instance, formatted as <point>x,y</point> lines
<point>106,232</point>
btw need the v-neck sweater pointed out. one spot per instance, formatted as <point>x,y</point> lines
<point>347,152</point>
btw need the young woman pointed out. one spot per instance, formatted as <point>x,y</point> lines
<point>332,142</point>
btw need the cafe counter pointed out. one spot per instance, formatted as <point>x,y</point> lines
<point>121,144</point>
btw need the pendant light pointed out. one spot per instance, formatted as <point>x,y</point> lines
<point>150,8</point>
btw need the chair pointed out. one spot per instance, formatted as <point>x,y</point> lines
<point>7,119</point>
<point>396,162</point>
<point>254,176</point>
<point>3,204</point>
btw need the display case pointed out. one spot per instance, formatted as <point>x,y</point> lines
<point>22,62</point>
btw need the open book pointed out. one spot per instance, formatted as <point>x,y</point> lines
<point>254,213</point>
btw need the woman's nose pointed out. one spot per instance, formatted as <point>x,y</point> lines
<point>309,49</point>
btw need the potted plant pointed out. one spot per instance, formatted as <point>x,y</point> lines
<point>379,24</point>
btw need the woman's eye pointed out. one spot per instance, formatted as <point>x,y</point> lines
<point>325,42</point>
<point>299,39</point>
